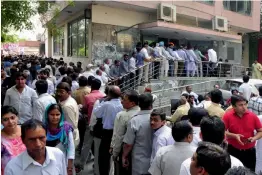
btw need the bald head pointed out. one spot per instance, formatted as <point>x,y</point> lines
<point>114,92</point>
<point>64,85</point>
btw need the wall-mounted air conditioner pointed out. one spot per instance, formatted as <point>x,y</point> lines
<point>166,12</point>
<point>220,23</point>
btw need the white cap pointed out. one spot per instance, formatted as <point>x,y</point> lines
<point>15,63</point>
<point>89,65</point>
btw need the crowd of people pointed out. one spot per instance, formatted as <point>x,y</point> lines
<point>52,112</point>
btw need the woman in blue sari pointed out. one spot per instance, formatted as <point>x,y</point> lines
<point>60,134</point>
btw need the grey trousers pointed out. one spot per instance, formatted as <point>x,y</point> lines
<point>96,147</point>
<point>88,140</point>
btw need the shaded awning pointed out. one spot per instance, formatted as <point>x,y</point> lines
<point>178,31</point>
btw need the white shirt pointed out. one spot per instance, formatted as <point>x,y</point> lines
<point>22,102</point>
<point>93,117</point>
<point>107,68</point>
<point>196,137</point>
<point>132,64</point>
<point>75,85</point>
<point>87,74</point>
<point>185,167</point>
<point>162,137</point>
<point>24,164</point>
<point>212,55</point>
<point>144,52</point>
<point>259,152</point>
<point>168,159</point>
<point>41,104</point>
<point>51,87</point>
<point>245,89</point>
<point>60,79</point>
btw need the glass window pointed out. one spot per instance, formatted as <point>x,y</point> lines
<point>209,2</point>
<point>58,42</point>
<point>243,7</point>
<point>77,38</point>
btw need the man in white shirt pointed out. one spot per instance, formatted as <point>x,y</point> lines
<point>245,89</point>
<point>195,116</point>
<point>132,69</point>
<point>212,129</point>
<point>88,71</point>
<point>107,66</point>
<point>162,133</point>
<point>69,106</point>
<point>147,60</point>
<point>38,158</point>
<point>21,97</point>
<point>190,92</point>
<point>212,55</point>
<point>44,100</point>
<point>62,71</point>
<point>43,75</point>
<point>210,159</point>
<point>168,159</point>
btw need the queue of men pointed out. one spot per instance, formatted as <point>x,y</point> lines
<point>123,126</point>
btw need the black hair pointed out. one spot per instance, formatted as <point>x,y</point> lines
<point>132,96</point>
<point>62,70</point>
<point>31,124</point>
<point>82,81</point>
<point>43,71</point>
<point>185,95</point>
<point>145,101</point>
<point>214,159</point>
<point>65,86</point>
<point>8,109</point>
<point>54,106</point>
<point>107,89</point>
<point>181,130</point>
<point>41,86</point>
<point>232,91</point>
<point>213,129</point>
<point>240,171</point>
<point>74,76</point>
<point>48,71</point>
<point>260,90</point>
<point>68,80</point>
<point>195,115</point>
<point>96,84</point>
<point>20,74</point>
<point>237,98</point>
<point>200,98</point>
<point>216,96</point>
<point>160,113</point>
<point>245,78</point>
<point>90,80</point>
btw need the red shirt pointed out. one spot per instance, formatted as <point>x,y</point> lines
<point>245,125</point>
<point>90,100</point>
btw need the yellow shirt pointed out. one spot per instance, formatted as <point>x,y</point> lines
<point>229,107</point>
<point>180,112</point>
<point>80,93</point>
<point>215,109</point>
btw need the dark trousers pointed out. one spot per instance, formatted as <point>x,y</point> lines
<point>119,169</point>
<point>132,80</point>
<point>104,155</point>
<point>82,129</point>
<point>247,157</point>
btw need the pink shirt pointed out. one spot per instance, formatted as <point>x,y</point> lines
<point>10,148</point>
<point>90,100</point>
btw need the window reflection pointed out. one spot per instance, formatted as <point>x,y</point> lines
<point>78,38</point>
<point>243,7</point>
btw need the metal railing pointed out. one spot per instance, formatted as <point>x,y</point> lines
<point>164,96</point>
<point>156,71</point>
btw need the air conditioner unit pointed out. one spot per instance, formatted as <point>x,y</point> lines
<point>220,23</point>
<point>166,12</point>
